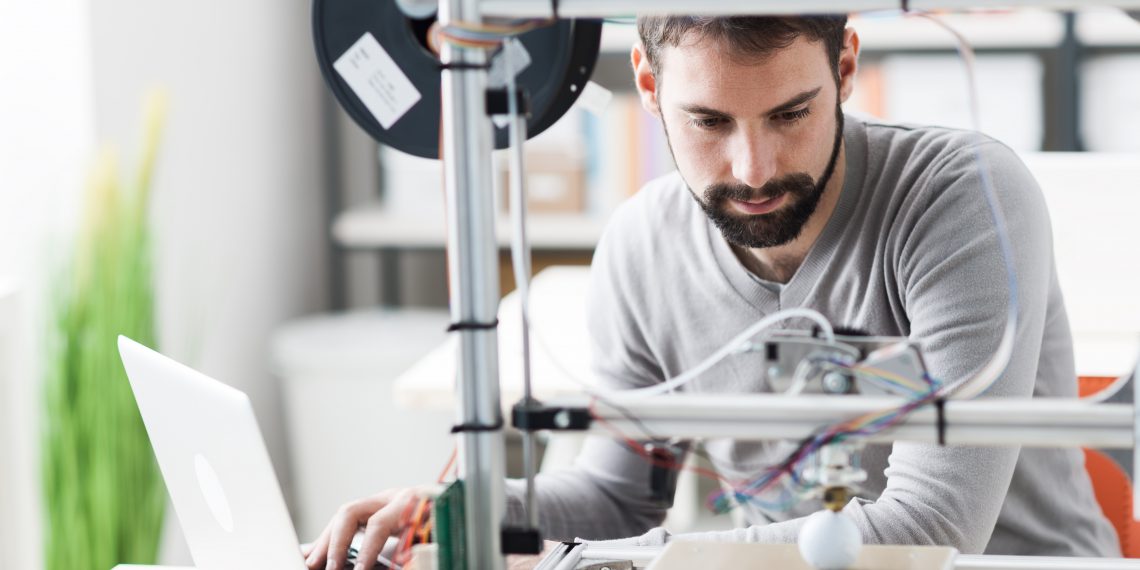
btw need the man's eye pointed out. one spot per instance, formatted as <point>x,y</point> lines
<point>706,123</point>
<point>793,116</point>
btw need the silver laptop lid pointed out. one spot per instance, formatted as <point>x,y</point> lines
<point>215,464</point>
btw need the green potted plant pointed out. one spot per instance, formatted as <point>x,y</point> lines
<point>103,493</point>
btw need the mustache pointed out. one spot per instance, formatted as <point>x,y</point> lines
<point>797,184</point>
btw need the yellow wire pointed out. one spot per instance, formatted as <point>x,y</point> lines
<point>889,376</point>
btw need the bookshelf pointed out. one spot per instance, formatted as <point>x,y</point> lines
<point>373,226</point>
<point>888,31</point>
<point>1061,64</point>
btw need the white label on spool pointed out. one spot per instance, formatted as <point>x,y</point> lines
<point>376,79</point>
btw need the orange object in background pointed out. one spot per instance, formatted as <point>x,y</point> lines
<point>1110,483</point>
<point>1089,385</point>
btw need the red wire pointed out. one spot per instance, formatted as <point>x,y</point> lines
<point>411,524</point>
<point>450,462</point>
<point>648,457</point>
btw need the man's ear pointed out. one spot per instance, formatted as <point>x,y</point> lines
<point>848,63</point>
<point>644,80</point>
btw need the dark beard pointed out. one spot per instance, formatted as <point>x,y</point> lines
<point>774,228</point>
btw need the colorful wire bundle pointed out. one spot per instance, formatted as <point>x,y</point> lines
<point>487,36</point>
<point>865,425</point>
<point>739,492</point>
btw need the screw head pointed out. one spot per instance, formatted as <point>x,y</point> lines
<point>562,419</point>
<point>836,383</point>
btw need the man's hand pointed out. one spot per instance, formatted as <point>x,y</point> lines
<point>380,517</point>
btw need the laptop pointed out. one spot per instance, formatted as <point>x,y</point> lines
<point>215,464</point>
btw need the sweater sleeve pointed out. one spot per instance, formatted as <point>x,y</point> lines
<point>606,494</point>
<point>952,282</point>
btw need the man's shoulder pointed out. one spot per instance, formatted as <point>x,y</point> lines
<point>912,146</point>
<point>920,163</point>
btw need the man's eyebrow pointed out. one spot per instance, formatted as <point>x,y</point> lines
<point>797,100</point>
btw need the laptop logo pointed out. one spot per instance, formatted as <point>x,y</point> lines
<point>212,491</point>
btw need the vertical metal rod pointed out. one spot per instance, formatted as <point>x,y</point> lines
<point>1067,88</point>
<point>520,257</point>
<point>474,283</point>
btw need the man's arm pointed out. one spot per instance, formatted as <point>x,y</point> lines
<point>952,283</point>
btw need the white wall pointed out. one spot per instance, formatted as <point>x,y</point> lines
<point>46,131</point>
<point>237,198</point>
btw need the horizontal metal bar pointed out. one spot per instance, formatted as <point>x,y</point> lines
<point>1036,422</point>
<point>979,435</point>
<point>644,555</point>
<point>617,8</point>
<point>990,562</point>
<point>1012,411</point>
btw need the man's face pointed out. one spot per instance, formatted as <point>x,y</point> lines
<point>756,140</point>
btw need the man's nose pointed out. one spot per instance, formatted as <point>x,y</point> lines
<point>753,161</point>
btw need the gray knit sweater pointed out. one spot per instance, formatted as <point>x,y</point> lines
<point>910,250</point>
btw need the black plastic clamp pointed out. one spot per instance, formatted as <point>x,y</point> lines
<point>539,417</point>
<point>470,428</point>
<point>517,540</point>
<point>498,104</point>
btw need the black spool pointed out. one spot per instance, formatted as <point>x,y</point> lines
<point>562,59</point>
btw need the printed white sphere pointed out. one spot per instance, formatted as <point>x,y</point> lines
<point>830,541</point>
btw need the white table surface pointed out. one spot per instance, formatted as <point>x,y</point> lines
<point>560,348</point>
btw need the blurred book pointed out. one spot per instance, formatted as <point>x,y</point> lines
<point>931,89</point>
<point>625,148</point>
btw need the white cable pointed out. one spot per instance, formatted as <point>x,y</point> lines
<point>520,245</point>
<point>974,385</point>
<point>520,262</point>
<point>594,390</point>
<point>799,379</point>
<point>1116,386</point>
<point>732,346</point>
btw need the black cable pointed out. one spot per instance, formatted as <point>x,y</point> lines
<point>472,326</point>
<point>465,428</point>
<point>460,66</point>
<point>940,408</point>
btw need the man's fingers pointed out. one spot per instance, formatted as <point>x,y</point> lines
<point>316,557</point>
<point>344,526</point>
<point>380,526</point>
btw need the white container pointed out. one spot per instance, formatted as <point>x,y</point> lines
<point>347,437</point>
<point>20,509</point>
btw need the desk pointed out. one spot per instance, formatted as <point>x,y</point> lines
<point>560,346</point>
<point>140,567</point>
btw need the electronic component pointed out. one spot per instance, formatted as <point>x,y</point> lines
<point>664,472</point>
<point>799,362</point>
<point>450,527</point>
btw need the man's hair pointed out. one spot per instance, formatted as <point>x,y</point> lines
<point>744,36</point>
